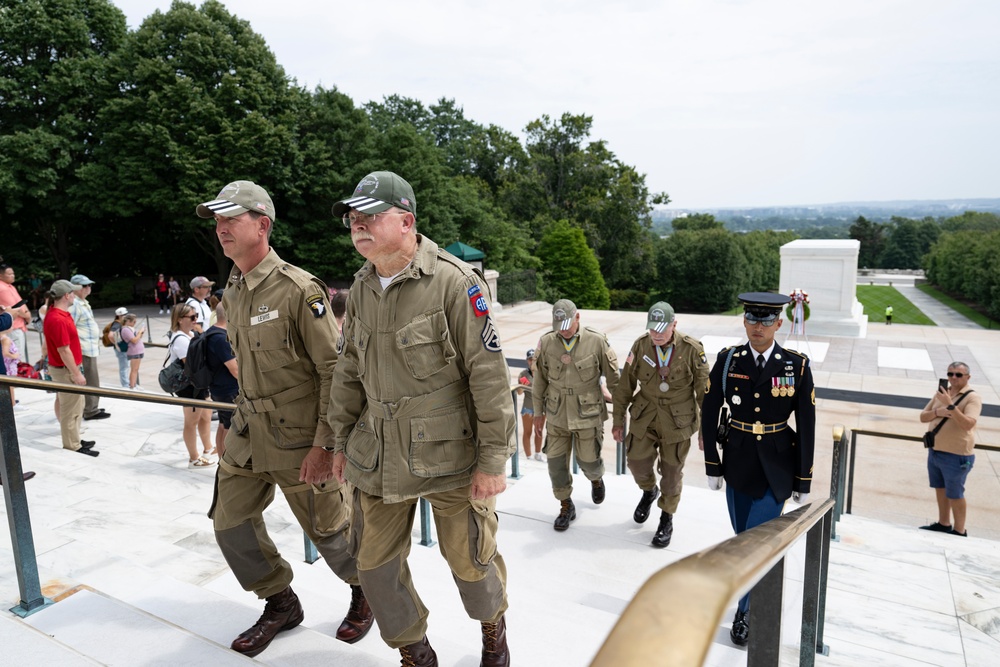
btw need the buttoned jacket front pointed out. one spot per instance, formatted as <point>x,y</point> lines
<point>285,338</point>
<point>569,393</point>
<point>421,395</point>
<point>673,414</point>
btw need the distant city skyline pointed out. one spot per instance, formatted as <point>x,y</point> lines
<point>720,103</point>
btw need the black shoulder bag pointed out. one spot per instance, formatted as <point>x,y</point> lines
<point>929,435</point>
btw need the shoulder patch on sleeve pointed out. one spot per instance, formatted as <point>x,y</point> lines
<point>478,301</point>
<point>316,305</point>
<point>341,342</point>
<point>490,336</point>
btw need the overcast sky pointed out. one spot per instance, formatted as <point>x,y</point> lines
<point>719,103</point>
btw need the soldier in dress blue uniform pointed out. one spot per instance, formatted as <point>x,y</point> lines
<point>764,460</point>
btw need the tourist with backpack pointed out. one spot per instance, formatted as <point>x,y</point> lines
<point>197,421</point>
<point>221,362</point>
<point>112,337</point>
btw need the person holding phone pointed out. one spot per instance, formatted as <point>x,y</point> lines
<point>953,412</point>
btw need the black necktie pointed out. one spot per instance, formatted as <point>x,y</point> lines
<point>760,363</point>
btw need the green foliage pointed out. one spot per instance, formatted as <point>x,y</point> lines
<point>53,59</point>
<point>762,251</point>
<point>696,222</point>
<point>113,293</point>
<point>872,237</point>
<point>972,221</point>
<point>700,271</point>
<point>570,267</point>
<point>628,299</point>
<point>907,242</point>
<point>875,298</point>
<point>967,264</point>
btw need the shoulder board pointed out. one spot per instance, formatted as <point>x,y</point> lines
<point>797,353</point>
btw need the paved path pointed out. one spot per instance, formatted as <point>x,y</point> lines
<point>942,315</point>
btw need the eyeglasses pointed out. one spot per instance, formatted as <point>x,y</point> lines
<point>355,217</point>
<point>765,322</point>
<point>190,317</point>
<point>956,375</point>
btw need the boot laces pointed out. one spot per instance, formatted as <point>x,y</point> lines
<point>564,510</point>
<point>357,597</point>
<point>490,637</point>
<point>408,660</point>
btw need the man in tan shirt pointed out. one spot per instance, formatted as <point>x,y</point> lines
<point>956,409</point>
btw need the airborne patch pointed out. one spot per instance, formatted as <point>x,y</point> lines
<point>479,305</point>
<point>341,341</point>
<point>490,336</point>
<point>317,306</point>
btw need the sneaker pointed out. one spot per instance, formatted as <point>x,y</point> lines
<point>938,528</point>
<point>21,408</point>
<point>540,457</point>
<point>89,451</point>
<point>955,532</point>
<point>200,462</point>
<point>102,414</point>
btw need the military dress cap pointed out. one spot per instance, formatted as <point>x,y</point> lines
<point>660,316</point>
<point>80,279</point>
<point>378,191</point>
<point>61,288</point>
<point>764,305</point>
<point>563,312</point>
<point>236,199</point>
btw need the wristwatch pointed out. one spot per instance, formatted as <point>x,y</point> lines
<point>951,407</point>
<point>329,449</point>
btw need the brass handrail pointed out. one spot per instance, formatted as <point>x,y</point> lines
<point>107,392</point>
<point>676,613</point>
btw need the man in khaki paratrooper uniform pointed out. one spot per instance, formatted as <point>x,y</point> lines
<point>285,339</point>
<point>420,408</point>
<point>570,362</point>
<point>672,373</point>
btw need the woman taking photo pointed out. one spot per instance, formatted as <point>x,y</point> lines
<point>120,350</point>
<point>136,350</point>
<point>196,420</point>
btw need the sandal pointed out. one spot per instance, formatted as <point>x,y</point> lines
<point>199,462</point>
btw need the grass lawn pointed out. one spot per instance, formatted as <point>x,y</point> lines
<point>875,298</point>
<point>954,304</point>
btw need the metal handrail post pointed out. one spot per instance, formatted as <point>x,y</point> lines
<point>515,467</point>
<point>16,500</point>
<point>765,614</point>
<point>824,572</point>
<point>311,555</point>
<point>850,480</point>
<point>811,583</point>
<point>425,524</point>
<point>838,466</point>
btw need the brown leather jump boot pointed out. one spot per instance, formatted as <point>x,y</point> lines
<point>495,652</point>
<point>282,612</point>
<point>359,618</point>
<point>419,654</point>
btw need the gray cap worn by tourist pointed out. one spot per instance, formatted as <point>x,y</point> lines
<point>659,317</point>
<point>563,312</point>
<point>378,191</point>
<point>61,288</point>
<point>236,199</point>
<point>201,281</point>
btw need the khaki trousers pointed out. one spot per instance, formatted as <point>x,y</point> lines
<point>242,497</point>
<point>466,531</point>
<point>669,459</point>
<point>90,407</point>
<point>559,447</point>
<point>70,410</point>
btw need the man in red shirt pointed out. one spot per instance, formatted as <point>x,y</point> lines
<point>65,358</point>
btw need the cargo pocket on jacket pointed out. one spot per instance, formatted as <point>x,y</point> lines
<point>590,404</point>
<point>441,446</point>
<point>294,425</point>
<point>271,345</point>
<point>552,403</point>
<point>683,414</point>
<point>426,345</point>
<point>589,368</point>
<point>362,447</point>
<point>358,334</point>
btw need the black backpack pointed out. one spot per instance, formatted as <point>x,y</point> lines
<point>196,366</point>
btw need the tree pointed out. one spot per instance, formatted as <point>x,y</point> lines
<point>697,221</point>
<point>53,60</point>
<point>908,241</point>
<point>700,271</point>
<point>571,270</point>
<point>202,103</point>
<point>871,235</point>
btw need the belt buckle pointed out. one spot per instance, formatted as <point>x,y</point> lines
<point>758,429</point>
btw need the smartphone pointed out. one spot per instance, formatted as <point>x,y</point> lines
<point>17,305</point>
<point>943,384</point>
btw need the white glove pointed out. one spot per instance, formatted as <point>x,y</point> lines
<point>799,497</point>
<point>715,483</point>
